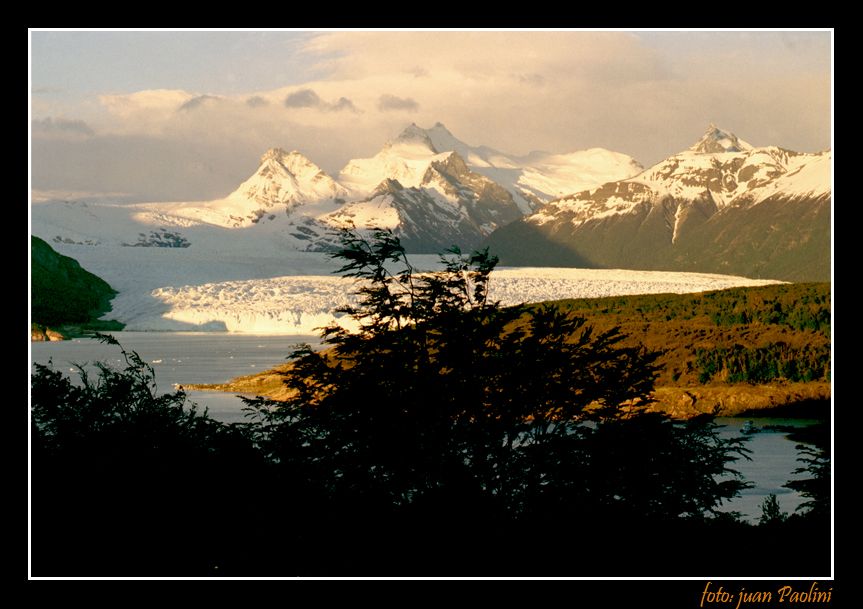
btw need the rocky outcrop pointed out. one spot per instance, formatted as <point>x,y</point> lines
<point>735,400</point>
<point>42,334</point>
<point>677,402</point>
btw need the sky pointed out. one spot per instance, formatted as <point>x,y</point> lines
<point>186,115</point>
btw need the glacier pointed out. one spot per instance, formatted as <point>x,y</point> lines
<point>172,289</point>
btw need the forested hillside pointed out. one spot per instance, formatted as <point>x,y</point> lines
<point>62,292</point>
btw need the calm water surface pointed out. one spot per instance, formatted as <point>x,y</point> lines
<point>182,358</point>
<point>772,461</point>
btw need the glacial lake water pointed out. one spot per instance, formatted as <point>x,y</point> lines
<point>181,358</point>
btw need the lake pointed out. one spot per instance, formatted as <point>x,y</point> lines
<point>182,358</point>
<point>773,459</point>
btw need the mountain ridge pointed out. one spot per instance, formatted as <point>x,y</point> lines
<point>720,206</point>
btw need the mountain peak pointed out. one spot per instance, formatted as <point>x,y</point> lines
<point>285,178</point>
<point>412,134</point>
<point>274,154</point>
<point>716,140</point>
<point>280,155</point>
<point>388,186</point>
<point>294,162</point>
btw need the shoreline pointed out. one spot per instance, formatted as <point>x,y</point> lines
<point>790,399</point>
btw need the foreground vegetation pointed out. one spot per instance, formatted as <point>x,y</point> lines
<point>449,437</point>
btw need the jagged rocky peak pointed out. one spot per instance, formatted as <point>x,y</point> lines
<point>388,186</point>
<point>289,160</point>
<point>273,154</point>
<point>716,140</point>
<point>453,165</point>
<point>414,135</point>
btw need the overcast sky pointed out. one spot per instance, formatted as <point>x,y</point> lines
<point>186,115</point>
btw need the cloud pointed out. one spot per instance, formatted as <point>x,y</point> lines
<point>145,168</point>
<point>61,127</point>
<point>304,98</point>
<point>482,56</point>
<point>46,90</point>
<point>389,103</point>
<point>307,98</point>
<point>196,102</point>
<point>343,103</point>
<point>148,111</point>
<point>256,101</point>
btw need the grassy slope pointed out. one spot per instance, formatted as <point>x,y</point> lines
<point>63,293</point>
<point>779,323</point>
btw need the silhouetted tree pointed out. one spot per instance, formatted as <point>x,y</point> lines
<point>127,481</point>
<point>447,415</point>
<point>816,489</point>
<point>771,513</point>
<point>507,440</point>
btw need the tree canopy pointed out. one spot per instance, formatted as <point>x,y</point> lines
<point>446,408</point>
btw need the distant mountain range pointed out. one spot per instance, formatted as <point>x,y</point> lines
<point>721,206</point>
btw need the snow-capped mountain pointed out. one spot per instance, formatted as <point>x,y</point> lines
<point>432,189</point>
<point>284,183</point>
<point>252,261</point>
<point>435,191</point>
<point>540,176</point>
<point>405,159</point>
<point>720,206</point>
<point>447,205</point>
<point>287,178</point>
<point>428,195</point>
<point>715,140</point>
<point>531,180</point>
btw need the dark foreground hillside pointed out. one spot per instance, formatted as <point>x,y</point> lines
<point>62,292</point>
